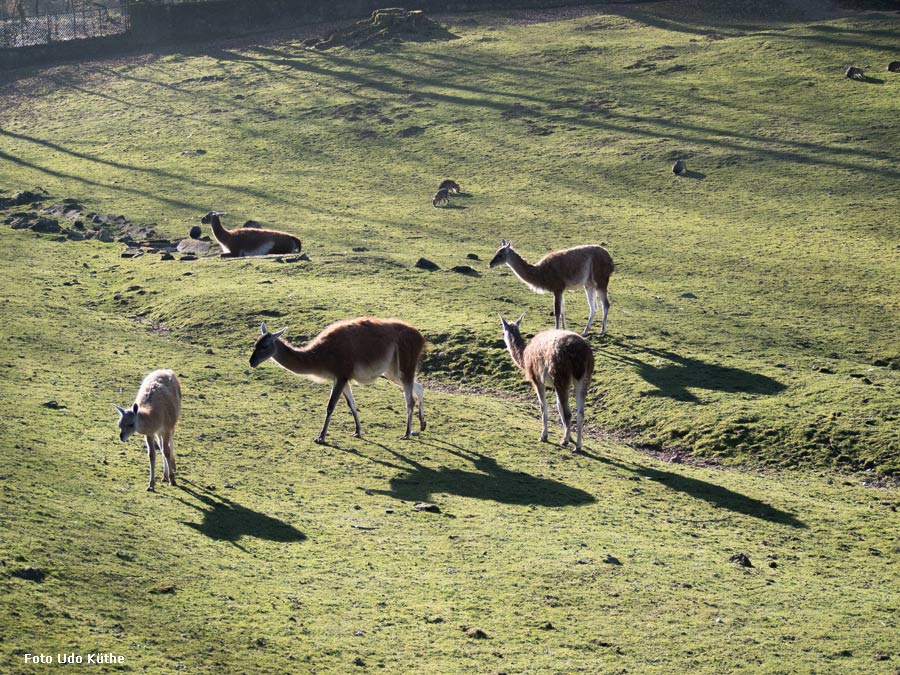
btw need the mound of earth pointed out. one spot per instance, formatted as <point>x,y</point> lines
<point>385,25</point>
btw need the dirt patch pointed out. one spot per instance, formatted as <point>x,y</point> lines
<point>353,112</point>
<point>384,26</point>
<point>518,111</point>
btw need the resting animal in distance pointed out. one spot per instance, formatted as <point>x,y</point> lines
<point>557,358</point>
<point>154,414</point>
<point>587,267</point>
<point>450,186</point>
<point>243,242</point>
<point>442,196</point>
<point>357,350</point>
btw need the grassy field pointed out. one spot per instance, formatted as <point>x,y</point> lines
<point>745,399</point>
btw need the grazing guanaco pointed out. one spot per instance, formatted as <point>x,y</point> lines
<point>557,358</point>
<point>357,350</point>
<point>442,196</point>
<point>243,242</point>
<point>587,267</point>
<point>450,186</point>
<point>154,414</point>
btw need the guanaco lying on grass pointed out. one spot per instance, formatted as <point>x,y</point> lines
<point>245,241</point>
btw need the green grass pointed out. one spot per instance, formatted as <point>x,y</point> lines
<point>285,556</point>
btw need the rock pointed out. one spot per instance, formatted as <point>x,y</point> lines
<point>167,256</point>
<point>425,264</point>
<point>466,270</point>
<point>476,633</point>
<point>854,73</point>
<point>27,197</point>
<point>431,508</point>
<point>75,235</point>
<point>359,662</point>
<point>30,574</point>
<point>894,67</point>
<point>105,236</point>
<point>472,256</point>
<point>740,560</point>
<point>46,225</point>
<point>547,626</point>
<point>359,249</point>
<point>194,246</point>
<point>679,167</point>
<point>611,560</point>
<point>195,232</point>
<point>132,252</point>
<point>19,221</point>
<point>252,224</point>
<point>688,296</point>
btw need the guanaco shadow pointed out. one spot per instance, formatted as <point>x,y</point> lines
<point>487,480</point>
<point>696,175</point>
<point>226,520</point>
<point>677,374</point>
<point>718,496</point>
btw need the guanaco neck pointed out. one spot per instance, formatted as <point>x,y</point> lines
<point>298,360</point>
<point>522,269</point>
<point>516,347</point>
<point>222,235</point>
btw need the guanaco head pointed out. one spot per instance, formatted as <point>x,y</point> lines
<point>127,421</point>
<point>265,345</point>
<point>502,254</point>
<point>511,334</point>
<point>208,218</point>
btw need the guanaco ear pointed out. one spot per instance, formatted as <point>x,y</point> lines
<point>279,333</point>
<point>134,408</point>
<point>121,410</point>
<point>504,243</point>
<point>503,322</point>
<point>519,320</point>
<point>262,329</point>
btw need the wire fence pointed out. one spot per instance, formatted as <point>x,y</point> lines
<point>59,27</point>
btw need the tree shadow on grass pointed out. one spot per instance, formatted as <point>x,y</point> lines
<point>674,378</point>
<point>489,480</point>
<point>716,495</point>
<point>226,520</point>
